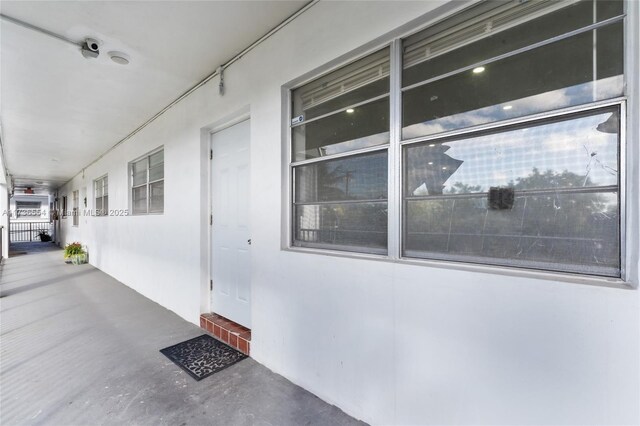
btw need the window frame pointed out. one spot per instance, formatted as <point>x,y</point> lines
<point>104,179</point>
<point>361,151</point>
<point>541,118</point>
<point>75,196</point>
<point>64,207</point>
<point>396,146</point>
<point>21,208</point>
<point>147,183</point>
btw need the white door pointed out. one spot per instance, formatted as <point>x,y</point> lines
<point>230,230</point>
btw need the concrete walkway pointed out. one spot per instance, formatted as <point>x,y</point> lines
<point>80,348</point>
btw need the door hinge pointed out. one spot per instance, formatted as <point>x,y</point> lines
<point>210,284</point>
<point>210,154</point>
<point>210,220</point>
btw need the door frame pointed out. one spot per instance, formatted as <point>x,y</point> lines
<point>206,200</point>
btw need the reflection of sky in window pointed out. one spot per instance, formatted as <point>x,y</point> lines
<point>574,146</point>
<point>574,95</point>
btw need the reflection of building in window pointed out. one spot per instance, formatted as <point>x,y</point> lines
<point>430,168</point>
<point>565,216</point>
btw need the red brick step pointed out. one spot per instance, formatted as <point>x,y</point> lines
<point>227,331</point>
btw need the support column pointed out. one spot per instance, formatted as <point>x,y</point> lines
<point>4,220</point>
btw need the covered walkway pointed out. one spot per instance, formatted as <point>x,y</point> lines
<point>78,347</point>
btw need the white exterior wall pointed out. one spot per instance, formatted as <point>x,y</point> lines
<point>44,209</point>
<point>386,342</point>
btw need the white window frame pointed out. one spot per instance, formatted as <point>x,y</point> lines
<point>30,211</point>
<point>394,199</point>
<point>76,208</point>
<point>101,180</point>
<point>64,206</point>
<point>130,174</point>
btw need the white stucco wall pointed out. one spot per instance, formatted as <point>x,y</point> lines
<point>36,198</point>
<point>386,342</point>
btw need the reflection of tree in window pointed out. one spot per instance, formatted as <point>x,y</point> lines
<point>566,225</point>
<point>429,168</point>
<point>343,201</point>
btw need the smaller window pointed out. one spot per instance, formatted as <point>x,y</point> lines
<point>64,206</point>
<point>76,208</point>
<point>147,183</point>
<point>101,195</point>
<point>28,209</point>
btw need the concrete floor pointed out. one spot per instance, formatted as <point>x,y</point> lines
<point>78,347</point>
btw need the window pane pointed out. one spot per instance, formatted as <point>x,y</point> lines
<point>557,75</point>
<point>98,188</point>
<point>351,84</point>
<point>156,172</point>
<point>99,206</point>
<point>105,188</point>
<point>139,171</point>
<point>365,126</point>
<point>105,206</point>
<point>362,177</point>
<point>572,232</point>
<point>157,158</point>
<point>139,196</point>
<point>579,151</point>
<point>423,53</point>
<point>564,175</point>
<point>354,226</point>
<point>156,204</point>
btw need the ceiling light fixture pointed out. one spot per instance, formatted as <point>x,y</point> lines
<point>432,144</point>
<point>350,111</point>
<point>120,58</point>
<point>507,107</point>
<point>478,70</point>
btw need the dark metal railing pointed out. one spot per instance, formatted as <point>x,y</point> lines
<point>27,231</point>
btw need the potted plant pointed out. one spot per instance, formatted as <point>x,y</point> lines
<point>75,253</point>
<point>44,235</point>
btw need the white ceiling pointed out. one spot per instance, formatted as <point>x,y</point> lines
<point>60,111</point>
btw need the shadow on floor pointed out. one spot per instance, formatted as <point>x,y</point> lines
<point>20,249</point>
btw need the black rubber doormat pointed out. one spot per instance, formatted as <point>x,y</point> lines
<point>202,356</point>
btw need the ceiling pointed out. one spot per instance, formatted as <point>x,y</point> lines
<point>60,111</point>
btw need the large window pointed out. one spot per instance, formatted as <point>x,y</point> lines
<point>147,183</point>
<point>101,194</point>
<point>508,142</point>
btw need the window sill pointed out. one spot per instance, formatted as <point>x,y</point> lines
<point>472,267</point>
